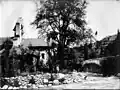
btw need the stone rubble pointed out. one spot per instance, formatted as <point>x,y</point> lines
<point>43,80</point>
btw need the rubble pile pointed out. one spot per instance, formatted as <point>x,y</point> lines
<point>41,80</point>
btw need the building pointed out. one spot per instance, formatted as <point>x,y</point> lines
<point>113,48</point>
<point>110,62</point>
<point>39,45</point>
<point>32,43</point>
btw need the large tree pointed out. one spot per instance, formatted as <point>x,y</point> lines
<point>62,21</point>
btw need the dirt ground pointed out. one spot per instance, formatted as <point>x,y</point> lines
<point>93,82</point>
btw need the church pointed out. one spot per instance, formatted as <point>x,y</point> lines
<point>31,43</point>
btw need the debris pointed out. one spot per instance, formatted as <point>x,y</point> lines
<point>5,87</point>
<point>45,81</point>
<point>10,87</point>
<point>56,82</point>
<point>49,85</point>
<point>60,75</point>
<point>85,77</point>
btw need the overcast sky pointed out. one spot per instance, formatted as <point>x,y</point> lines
<point>102,16</point>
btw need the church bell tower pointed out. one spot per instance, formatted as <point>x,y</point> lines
<point>18,31</point>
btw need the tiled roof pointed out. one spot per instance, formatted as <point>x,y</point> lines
<point>34,42</point>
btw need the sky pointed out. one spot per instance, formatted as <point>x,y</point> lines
<point>13,9</point>
<point>102,16</point>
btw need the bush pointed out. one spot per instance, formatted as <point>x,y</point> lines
<point>17,59</point>
<point>109,66</point>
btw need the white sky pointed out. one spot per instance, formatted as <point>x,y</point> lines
<point>102,16</point>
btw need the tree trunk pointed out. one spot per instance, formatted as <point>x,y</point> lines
<point>85,52</point>
<point>61,55</point>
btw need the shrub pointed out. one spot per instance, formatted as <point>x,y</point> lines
<point>109,66</point>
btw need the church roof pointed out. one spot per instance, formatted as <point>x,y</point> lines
<point>34,42</point>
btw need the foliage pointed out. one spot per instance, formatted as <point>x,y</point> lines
<point>17,59</point>
<point>7,44</point>
<point>109,65</point>
<point>56,17</point>
<point>63,21</point>
<point>109,46</point>
<point>113,47</point>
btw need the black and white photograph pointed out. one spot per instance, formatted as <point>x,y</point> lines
<point>59,44</point>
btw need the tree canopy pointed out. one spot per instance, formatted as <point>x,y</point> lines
<point>63,21</point>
